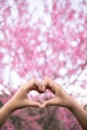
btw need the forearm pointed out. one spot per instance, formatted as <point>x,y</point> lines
<point>79,113</point>
<point>5,112</point>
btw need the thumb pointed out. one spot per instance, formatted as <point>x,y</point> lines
<point>34,104</point>
<point>50,102</point>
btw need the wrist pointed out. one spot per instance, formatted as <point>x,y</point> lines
<point>72,104</point>
<point>9,106</point>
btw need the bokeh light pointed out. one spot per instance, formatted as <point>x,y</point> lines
<point>40,38</point>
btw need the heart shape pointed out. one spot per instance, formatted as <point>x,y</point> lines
<point>21,99</point>
<point>40,97</point>
<point>57,96</point>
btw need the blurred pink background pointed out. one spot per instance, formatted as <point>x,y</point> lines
<point>41,38</point>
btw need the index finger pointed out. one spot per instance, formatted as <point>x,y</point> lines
<point>49,84</point>
<point>32,84</point>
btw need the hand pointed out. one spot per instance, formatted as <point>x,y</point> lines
<point>21,100</point>
<point>61,97</point>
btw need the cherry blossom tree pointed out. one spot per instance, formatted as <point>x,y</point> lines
<point>43,38</point>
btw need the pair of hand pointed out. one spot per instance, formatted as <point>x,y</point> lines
<point>21,100</point>
<point>61,98</point>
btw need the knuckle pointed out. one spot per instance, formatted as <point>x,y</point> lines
<point>35,82</point>
<point>46,81</point>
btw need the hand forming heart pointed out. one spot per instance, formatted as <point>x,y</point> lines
<point>21,100</point>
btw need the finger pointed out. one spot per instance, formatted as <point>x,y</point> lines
<point>43,85</point>
<point>38,88</point>
<point>32,84</point>
<point>50,84</point>
<point>34,104</point>
<point>50,102</point>
<point>43,88</point>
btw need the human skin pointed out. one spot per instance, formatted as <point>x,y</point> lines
<point>64,100</point>
<point>20,100</point>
